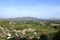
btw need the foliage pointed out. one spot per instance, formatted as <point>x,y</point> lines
<point>56,36</point>
<point>40,28</point>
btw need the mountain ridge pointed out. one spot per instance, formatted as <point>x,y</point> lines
<point>27,19</point>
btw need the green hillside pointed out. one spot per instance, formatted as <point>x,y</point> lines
<point>35,28</point>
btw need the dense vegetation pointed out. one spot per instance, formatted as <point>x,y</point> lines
<point>36,29</point>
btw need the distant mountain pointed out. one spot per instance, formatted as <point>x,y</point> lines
<point>31,19</point>
<point>24,19</point>
<point>54,19</point>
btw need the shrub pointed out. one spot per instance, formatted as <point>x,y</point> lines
<point>56,36</point>
<point>43,37</point>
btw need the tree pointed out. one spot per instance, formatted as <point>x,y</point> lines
<point>43,37</point>
<point>56,36</point>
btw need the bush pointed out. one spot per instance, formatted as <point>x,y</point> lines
<point>56,36</point>
<point>43,37</point>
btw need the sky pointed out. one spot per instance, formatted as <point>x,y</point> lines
<point>30,8</point>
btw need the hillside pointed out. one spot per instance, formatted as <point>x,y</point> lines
<point>33,26</point>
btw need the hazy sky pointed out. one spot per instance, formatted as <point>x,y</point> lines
<point>31,8</point>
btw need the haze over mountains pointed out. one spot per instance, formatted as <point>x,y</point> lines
<point>27,18</point>
<point>24,19</point>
